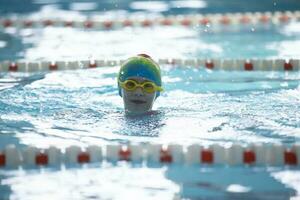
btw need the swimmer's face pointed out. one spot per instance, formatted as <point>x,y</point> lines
<point>137,101</point>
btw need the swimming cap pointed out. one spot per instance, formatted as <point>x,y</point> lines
<point>141,66</point>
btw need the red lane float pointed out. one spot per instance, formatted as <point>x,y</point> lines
<point>125,154</point>
<point>2,159</point>
<point>248,66</point>
<point>249,157</point>
<point>41,159</point>
<point>83,157</point>
<point>207,156</point>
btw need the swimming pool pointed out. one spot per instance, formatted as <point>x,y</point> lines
<point>200,106</point>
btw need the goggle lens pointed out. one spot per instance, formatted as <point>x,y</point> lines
<point>130,85</point>
<point>148,87</point>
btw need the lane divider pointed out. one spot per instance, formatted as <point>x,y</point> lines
<point>207,20</point>
<point>236,154</point>
<point>211,64</point>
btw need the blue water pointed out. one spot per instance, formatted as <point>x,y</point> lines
<point>82,107</point>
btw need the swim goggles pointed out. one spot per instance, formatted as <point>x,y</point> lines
<point>148,86</point>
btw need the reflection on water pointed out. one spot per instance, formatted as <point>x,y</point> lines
<point>124,181</point>
<point>228,183</point>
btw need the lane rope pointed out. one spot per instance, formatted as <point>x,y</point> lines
<point>255,154</point>
<point>210,64</point>
<point>193,20</point>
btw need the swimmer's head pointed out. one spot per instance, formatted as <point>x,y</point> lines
<point>141,66</point>
<point>139,83</point>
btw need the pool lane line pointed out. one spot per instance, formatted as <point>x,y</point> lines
<point>209,64</point>
<point>208,21</point>
<point>255,154</point>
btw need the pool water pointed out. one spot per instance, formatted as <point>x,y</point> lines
<point>82,107</point>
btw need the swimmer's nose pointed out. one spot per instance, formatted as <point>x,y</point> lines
<point>138,92</point>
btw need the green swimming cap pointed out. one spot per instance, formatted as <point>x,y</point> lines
<point>140,66</point>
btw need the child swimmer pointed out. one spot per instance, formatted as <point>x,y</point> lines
<point>139,83</point>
